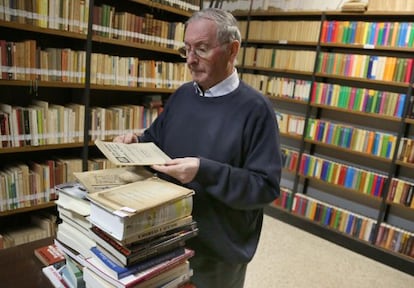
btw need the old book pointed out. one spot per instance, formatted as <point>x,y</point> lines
<point>129,209</point>
<point>50,255</point>
<point>127,254</point>
<point>132,154</point>
<point>102,179</point>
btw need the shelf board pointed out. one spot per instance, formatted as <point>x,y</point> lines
<point>36,29</point>
<point>27,209</point>
<point>39,148</point>
<point>366,114</point>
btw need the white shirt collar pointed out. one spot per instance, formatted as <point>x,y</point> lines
<point>223,88</point>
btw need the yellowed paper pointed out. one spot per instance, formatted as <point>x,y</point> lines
<point>97,180</point>
<point>139,196</point>
<point>132,154</point>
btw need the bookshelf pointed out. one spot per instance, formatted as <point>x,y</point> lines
<point>75,71</point>
<point>342,92</point>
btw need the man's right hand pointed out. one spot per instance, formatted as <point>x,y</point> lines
<point>126,138</point>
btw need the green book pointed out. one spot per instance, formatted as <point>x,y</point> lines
<point>368,186</point>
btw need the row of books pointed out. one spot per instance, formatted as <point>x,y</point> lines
<point>355,225</point>
<point>66,15</point>
<point>40,225</point>
<point>358,179</point>
<point>350,98</point>
<point>111,23</point>
<point>395,239</point>
<point>372,142</point>
<point>391,34</point>
<point>111,121</point>
<point>401,192</point>
<point>290,124</point>
<point>279,86</point>
<point>295,60</point>
<point>373,67</point>
<point>406,150</point>
<point>290,159</point>
<point>26,61</point>
<point>285,199</point>
<point>284,31</point>
<point>342,220</point>
<point>359,99</point>
<point>29,184</point>
<point>44,123</point>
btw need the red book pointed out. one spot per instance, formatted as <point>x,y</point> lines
<point>342,174</point>
<point>408,70</point>
<point>50,255</point>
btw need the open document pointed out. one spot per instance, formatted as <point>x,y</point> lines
<point>132,154</point>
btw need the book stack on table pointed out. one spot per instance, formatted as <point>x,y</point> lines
<point>126,228</point>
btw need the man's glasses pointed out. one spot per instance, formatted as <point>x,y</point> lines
<point>201,51</point>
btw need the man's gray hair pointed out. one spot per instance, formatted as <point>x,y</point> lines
<point>227,29</point>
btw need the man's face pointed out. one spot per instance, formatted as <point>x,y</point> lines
<point>213,64</point>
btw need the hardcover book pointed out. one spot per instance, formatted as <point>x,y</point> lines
<point>50,255</point>
<point>129,209</point>
<point>137,251</point>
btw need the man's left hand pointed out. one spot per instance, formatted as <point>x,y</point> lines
<point>182,169</point>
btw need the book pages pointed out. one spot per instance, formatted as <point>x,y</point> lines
<point>132,154</point>
<point>97,180</point>
<point>130,199</point>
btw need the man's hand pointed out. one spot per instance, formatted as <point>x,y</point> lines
<point>126,138</point>
<point>182,169</point>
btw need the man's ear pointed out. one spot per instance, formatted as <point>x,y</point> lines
<point>234,49</point>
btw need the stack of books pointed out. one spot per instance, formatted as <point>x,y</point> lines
<point>140,231</point>
<point>124,227</point>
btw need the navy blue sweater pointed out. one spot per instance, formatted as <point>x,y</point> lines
<point>236,138</point>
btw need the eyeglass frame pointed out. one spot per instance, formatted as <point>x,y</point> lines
<point>184,52</point>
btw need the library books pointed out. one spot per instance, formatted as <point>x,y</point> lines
<point>127,210</point>
<point>140,250</point>
<point>133,280</point>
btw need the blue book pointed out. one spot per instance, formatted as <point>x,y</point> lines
<point>328,216</point>
<point>350,224</point>
<point>376,144</point>
<point>119,272</point>
<point>400,105</point>
<point>402,34</point>
<point>349,177</point>
<point>324,172</point>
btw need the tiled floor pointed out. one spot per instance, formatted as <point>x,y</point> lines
<point>288,257</point>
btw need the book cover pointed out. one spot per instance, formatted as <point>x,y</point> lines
<point>50,255</point>
<point>132,154</point>
<point>118,271</point>
<point>128,209</point>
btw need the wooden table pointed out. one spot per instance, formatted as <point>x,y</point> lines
<point>20,268</point>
